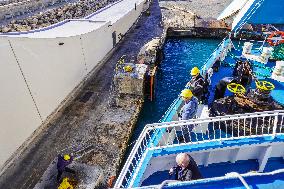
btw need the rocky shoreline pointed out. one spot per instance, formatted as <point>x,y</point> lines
<point>7,2</point>
<point>79,9</point>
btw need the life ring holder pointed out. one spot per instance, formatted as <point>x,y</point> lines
<point>271,42</point>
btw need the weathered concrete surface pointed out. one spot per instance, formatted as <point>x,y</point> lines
<point>86,176</point>
<point>89,119</point>
<point>193,13</point>
<point>199,32</point>
<point>148,53</point>
<point>205,9</point>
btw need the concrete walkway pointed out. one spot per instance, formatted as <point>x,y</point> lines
<point>88,120</point>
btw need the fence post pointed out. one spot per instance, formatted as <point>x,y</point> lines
<point>219,126</point>
<point>275,125</point>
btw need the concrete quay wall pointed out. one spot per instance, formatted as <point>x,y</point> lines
<point>39,72</point>
<point>198,32</point>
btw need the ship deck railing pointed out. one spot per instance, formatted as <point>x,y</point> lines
<point>168,135</point>
<point>230,177</point>
<point>222,48</point>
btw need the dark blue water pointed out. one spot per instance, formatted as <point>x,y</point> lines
<point>181,55</point>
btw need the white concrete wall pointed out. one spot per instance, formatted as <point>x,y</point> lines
<point>51,71</point>
<point>18,115</point>
<point>122,25</point>
<point>96,46</point>
<point>50,74</point>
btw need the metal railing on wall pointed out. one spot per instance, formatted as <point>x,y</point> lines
<point>165,135</point>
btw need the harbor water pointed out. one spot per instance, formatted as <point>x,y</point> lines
<point>180,56</point>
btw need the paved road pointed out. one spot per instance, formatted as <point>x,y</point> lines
<point>206,9</point>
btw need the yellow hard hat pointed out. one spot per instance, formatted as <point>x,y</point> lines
<point>128,68</point>
<point>186,93</point>
<point>67,157</point>
<point>194,71</point>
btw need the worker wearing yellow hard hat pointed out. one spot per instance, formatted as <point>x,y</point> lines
<point>128,68</point>
<point>189,109</point>
<point>186,94</point>
<point>62,162</point>
<point>67,157</point>
<point>197,84</point>
<point>194,71</point>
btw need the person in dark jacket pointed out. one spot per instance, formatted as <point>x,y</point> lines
<point>236,68</point>
<point>186,168</point>
<point>62,163</point>
<point>196,84</point>
<point>243,73</point>
<point>221,87</point>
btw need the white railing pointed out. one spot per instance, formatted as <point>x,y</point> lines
<point>219,53</point>
<point>165,135</point>
<point>187,184</point>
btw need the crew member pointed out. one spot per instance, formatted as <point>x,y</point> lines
<point>243,73</point>
<point>246,74</point>
<point>222,86</point>
<point>189,109</point>
<point>236,68</point>
<point>196,84</point>
<point>62,163</point>
<point>186,168</point>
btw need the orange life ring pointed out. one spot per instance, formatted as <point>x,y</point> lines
<point>277,33</point>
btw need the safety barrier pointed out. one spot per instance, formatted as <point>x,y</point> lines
<point>220,51</point>
<point>164,135</point>
<point>231,176</point>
